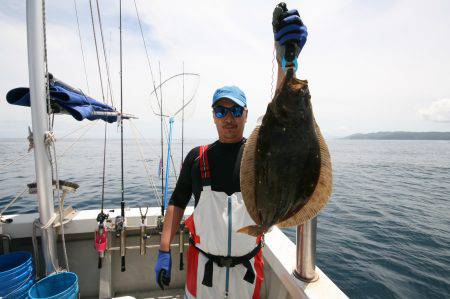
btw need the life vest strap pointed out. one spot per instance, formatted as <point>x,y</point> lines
<point>205,171</point>
<point>227,261</point>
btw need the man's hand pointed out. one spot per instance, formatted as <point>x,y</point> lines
<point>163,269</point>
<point>288,28</point>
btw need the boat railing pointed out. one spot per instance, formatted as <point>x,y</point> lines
<point>306,251</point>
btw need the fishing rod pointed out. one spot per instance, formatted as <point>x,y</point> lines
<point>120,220</point>
<point>162,142</point>
<point>101,231</point>
<point>182,126</point>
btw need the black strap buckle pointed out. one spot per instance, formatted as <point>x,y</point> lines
<point>225,261</point>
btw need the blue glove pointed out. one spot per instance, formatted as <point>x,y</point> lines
<point>163,268</point>
<point>288,28</point>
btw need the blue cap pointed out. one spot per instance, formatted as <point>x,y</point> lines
<point>230,92</point>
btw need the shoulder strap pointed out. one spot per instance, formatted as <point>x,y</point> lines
<point>204,166</point>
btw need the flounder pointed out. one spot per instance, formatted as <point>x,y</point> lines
<point>285,176</point>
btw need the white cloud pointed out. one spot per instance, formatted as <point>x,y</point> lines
<point>438,111</point>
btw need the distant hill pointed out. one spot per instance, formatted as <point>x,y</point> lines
<point>399,135</point>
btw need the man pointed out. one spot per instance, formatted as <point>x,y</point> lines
<point>222,262</point>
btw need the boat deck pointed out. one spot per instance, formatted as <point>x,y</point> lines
<point>138,280</point>
<point>156,294</point>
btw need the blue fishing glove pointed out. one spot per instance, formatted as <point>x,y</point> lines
<point>288,28</point>
<point>163,268</point>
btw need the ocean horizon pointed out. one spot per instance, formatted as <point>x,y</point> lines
<point>384,234</point>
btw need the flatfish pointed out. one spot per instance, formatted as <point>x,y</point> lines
<point>285,176</point>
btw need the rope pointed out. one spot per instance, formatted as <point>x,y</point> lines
<point>28,153</point>
<point>47,81</point>
<point>14,161</point>
<point>37,264</point>
<point>81,46</point>
<point>73,143</point>
<point>49,111</point>
<point>50,142</point>
<point>19,195</point>
<point>37,224</point>
<point>75,130</point>
<point>152,183</point>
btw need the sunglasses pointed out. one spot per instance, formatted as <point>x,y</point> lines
<point>221,112</point>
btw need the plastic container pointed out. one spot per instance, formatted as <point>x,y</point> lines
<point>22,291</point>
<point>16,274</point>
<point>60,285</point>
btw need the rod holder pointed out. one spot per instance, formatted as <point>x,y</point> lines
<point>143,240</point>
<point>306,251</point>
<point>120,232</point>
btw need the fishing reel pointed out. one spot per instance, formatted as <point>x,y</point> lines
<point>120,232</point>
<point>119,225</point>
<point>101,237</point>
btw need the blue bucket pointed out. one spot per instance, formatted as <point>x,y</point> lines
<point>60,285</point>
<point>16,274</point>
<point>21,292</point>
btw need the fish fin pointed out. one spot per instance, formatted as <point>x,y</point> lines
<point>322,192</point>
<point>248,175</point>
<point>252,230</point>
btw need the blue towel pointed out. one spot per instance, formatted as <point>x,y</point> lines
<point>65,98</point>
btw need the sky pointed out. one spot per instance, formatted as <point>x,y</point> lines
<point>371,65</point>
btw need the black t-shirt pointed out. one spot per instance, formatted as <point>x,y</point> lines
<point>224,162</point>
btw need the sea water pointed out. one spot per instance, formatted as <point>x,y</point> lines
<point>384,234</point>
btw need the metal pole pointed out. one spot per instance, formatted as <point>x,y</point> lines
<point>35,40</point>
<point>306,251</point>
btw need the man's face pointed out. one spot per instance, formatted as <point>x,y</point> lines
<point>229,128</point>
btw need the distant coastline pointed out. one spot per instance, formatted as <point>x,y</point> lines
<point>400,135</point>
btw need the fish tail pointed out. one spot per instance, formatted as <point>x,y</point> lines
<point>252,230</point>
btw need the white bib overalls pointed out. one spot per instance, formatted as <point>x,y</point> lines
<point>212,227</point>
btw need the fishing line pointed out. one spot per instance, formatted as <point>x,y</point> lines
<point>122,203</point>
<point>81,46</point>
<point>141,152</point>
<point>104,101</point>
<point>273,72</point>
<point>96,50</point>
<point>104,54</point>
